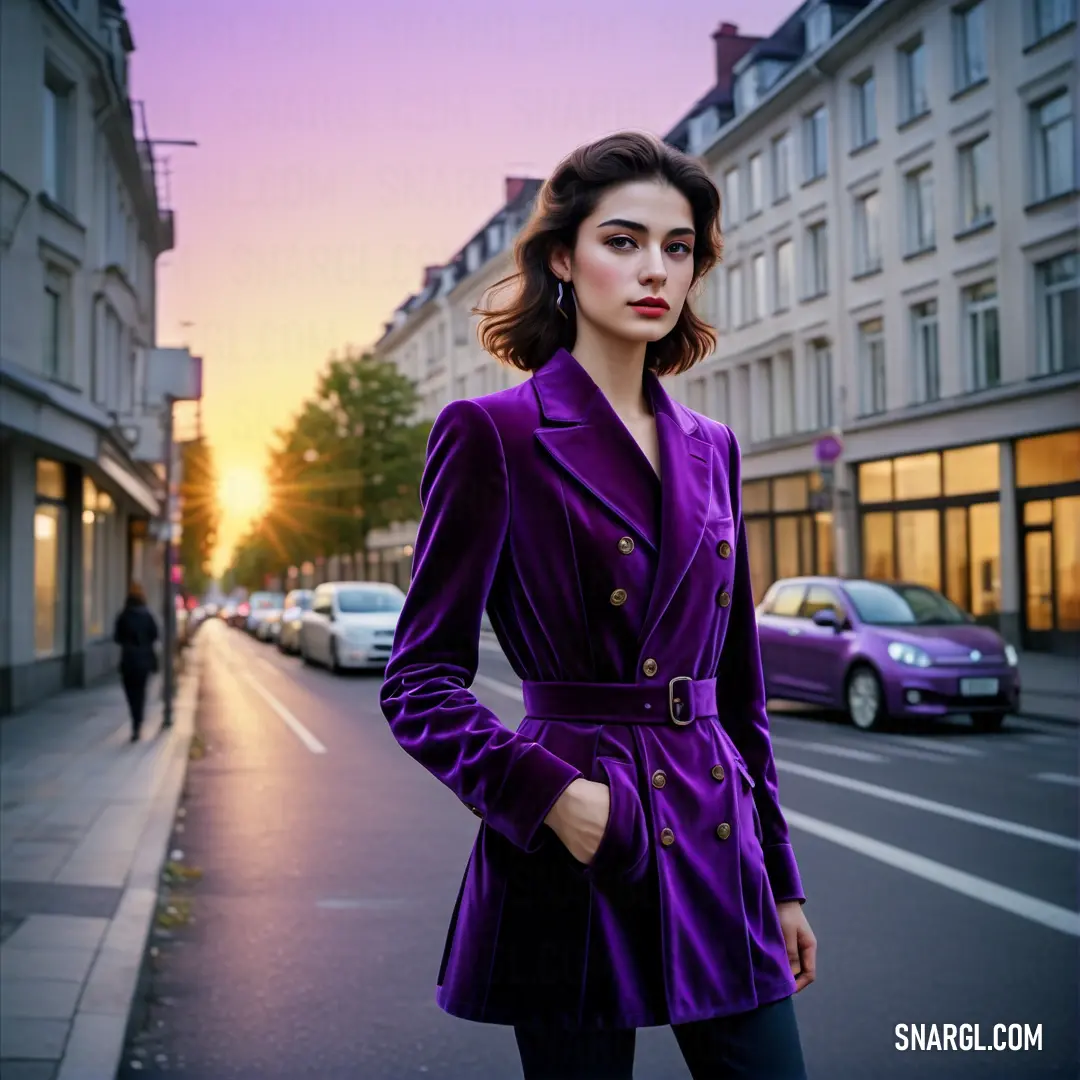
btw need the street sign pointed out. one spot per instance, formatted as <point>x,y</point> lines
<point>828,448</point>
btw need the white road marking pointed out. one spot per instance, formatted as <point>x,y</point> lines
<point>1035,738</point>
<point>830,748</point>
<point>941,746</point>
<point>977,888</point>
<point>506,689</point>
<point>1058,778</point>
<point>293,724</point>
<point>921,755</point>
<point>917,802</point>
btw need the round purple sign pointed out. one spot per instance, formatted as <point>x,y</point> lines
<point>828,448</point>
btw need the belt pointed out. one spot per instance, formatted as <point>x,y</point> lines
<point>681,702</point>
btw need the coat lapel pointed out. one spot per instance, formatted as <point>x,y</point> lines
<point>586,445</point>
<point>686,465</point>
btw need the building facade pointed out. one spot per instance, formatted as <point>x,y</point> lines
<point>81,405</point>
<point>900,210</point>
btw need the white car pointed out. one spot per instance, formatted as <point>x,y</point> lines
<point>351,624</point>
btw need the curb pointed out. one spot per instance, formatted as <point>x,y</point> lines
<point>99,1030</point>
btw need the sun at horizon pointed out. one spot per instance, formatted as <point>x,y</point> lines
<point>243,492</point>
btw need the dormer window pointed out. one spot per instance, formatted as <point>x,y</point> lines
<point>819,27</point>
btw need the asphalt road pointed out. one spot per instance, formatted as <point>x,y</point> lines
<point>940,866</point>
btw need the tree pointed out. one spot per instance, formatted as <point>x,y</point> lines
<point>350,463</point>
<point>200,515</point>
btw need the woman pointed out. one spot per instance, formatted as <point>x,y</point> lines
<point>136,632</point>
<point>632,867</point>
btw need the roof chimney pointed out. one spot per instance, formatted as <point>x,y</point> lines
<point>430,274</point>
<point>730,49</point>
<point>514,187</point>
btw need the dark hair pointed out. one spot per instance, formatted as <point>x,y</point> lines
<point>528,330</point>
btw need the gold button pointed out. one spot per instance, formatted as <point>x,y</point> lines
<point>667,837</point>
<point>659,778</point>
<point>724,549</point>
<point>723,830</point>
<point>724,599</point>
<point>649,667</point>
<point>474,810</point>
<point>626,545</point>
<point>718,772</point>
<point>618,597</point>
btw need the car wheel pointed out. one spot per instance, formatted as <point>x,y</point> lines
<point>991,721</point>
<point>335,663</point>
<point>865,699</point>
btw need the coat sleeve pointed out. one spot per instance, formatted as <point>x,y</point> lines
<point>508,780</point>
<point>742,706</point>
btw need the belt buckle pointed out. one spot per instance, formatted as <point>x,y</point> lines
<point>676,705</point>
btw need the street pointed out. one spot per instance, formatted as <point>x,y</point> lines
<point>940,868</point>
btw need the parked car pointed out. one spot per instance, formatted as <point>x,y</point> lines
<point>269,626</point>
<point>883,651</point>
<point>296,603</point>
<point>261,605</point>
<point>351,624</point>
<point>238,618</point>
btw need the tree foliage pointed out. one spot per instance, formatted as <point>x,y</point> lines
<point>349,463</point>
<point>200,515</point>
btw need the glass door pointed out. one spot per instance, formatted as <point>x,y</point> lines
<point>1051,534</point>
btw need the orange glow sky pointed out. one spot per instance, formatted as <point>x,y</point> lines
<point>344,145</point>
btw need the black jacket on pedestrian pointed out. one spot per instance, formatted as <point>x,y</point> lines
<point>135,632</point>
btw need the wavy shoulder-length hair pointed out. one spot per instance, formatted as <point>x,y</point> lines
<point>527,330</point>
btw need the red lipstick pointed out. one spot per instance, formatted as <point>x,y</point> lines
<point>652,307</point>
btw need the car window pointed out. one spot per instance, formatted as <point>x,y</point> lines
<point>321,604</point>
<point>366,601</point>
<point>880,604</point>
<point>820,598</point>
<point>787,601</point>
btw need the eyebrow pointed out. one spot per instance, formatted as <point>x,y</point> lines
<point>638,227</point>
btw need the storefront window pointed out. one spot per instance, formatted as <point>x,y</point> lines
<point>97,523</point>
<point>919,547</point>
<point>1048,459</point>
<point>957,564</point>
<point>50,480</point>
<point>755,497</point>
<point>879,561</point>
<point>1039,513</point>
<point>50,566</point>
<point>759,543</point>
<point>917,477</point>
<point>787,547</point>
<point>1067,561</point>
<point>875,482</point>
<point>973,470</point>
<point>984,529</point>
<point>826,558</point>
<point>790,493</point>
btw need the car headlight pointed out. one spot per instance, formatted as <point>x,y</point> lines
<point>1012,656</point>
<point>911,655</point>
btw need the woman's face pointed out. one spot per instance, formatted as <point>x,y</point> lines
<point>637,245</point>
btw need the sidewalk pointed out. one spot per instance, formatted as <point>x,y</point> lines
<point>1050,687</point>
<point>85,821</point>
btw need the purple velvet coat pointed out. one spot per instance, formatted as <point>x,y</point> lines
<point>539,505</point>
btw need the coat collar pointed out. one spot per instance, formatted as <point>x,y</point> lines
<point>596,448</point>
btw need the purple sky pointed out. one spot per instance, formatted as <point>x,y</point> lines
<point>346,144</point>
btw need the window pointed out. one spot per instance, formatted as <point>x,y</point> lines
<point>872,364</point>
<point>818,27</point>
<point>875,481</point>
<point>57,141</point>
<point>56,323</point>
<point>1052,132</point>
<point>868,234</point>
<point>787,601</point>
<point>924,337</point>
<point>757,185</point>
<point>763,402</point>
<point>817,264</point>
<point>97,522</point>
<point>781,166</point>
<point>918,547</point>
<point>917,476</point>
<point>1048,459</point>
<point>919,196</point>
<point>785,274</point>
<point>721,397</point>
<point>50,566</point>
<point>736,314</point>
<point>975,171</point>
<point>879,553</point>
<point>815,144</point>
<point>1050,16</point>
<point>863,111</point>
<point>758,284</point>
<point>981,332</point>
<point>819,598</point>
<point>969,44</point>
<point>914,101</point>
<point>972,470</point>
<point>821,396</point>
<point>783,401</point>
<point>696,395</point>
<point>731,196</point>
<point>1058,285</point>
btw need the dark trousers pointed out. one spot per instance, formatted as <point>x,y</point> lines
<point>759,1045</point>
<point>135,692</point>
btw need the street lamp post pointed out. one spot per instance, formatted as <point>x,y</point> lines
<point>169,612</point>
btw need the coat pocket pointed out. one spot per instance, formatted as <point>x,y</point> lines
<point>748,780</point>
<point>624,848</point>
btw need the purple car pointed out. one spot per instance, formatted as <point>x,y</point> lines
<point>883,651</point>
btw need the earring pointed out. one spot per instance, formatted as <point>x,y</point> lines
<point>558,301</point>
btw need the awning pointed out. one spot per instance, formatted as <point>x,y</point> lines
<point>136,488</point>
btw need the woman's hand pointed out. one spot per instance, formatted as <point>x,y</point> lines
<point>580,816</point>
<point>800,941</point>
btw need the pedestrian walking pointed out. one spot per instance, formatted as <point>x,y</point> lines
<point>632,866</point>
<point>136,633</point>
